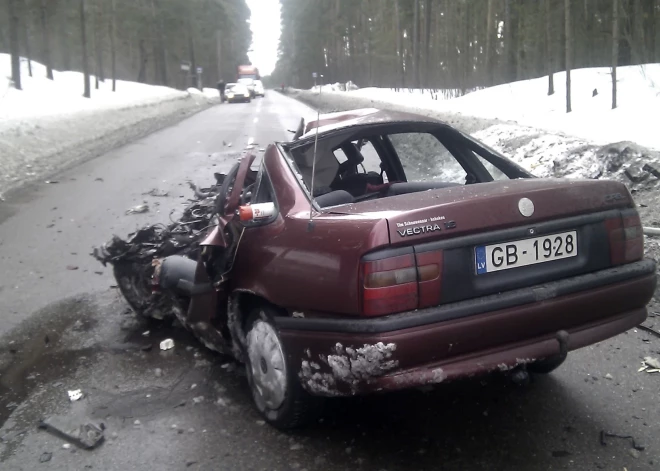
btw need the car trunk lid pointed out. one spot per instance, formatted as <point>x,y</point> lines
<point>463,210</point>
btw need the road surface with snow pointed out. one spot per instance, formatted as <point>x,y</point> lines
<point>64,328</point>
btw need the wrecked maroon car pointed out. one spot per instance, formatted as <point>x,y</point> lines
<point>379,251</point>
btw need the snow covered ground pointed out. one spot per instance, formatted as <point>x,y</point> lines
<point>49,124</point>
<point>527,103</point>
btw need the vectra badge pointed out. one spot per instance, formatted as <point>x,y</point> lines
<point>526,207</point>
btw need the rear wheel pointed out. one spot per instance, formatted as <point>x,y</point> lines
<point>276,391</point>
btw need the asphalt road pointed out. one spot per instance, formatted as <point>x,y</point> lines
<point>65,327</point>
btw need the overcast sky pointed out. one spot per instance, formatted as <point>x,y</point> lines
<point>265,24</point>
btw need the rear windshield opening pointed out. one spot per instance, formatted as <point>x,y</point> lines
<point>360,167</point>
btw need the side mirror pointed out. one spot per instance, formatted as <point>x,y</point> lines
<point>256,212</point>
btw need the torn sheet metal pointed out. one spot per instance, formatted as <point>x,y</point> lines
<point>85,435</point>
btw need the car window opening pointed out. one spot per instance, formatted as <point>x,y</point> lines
<point>366,167</point>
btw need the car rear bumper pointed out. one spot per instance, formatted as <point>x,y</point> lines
<point>356,356</point>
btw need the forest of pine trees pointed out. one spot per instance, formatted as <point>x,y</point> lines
<point>460,44</point>
<point>138,40</point>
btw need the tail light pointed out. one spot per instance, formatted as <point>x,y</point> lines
<point>400,283</point>
<point>626,238</point>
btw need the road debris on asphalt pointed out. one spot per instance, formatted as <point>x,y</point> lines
<point>167,344</point>
<point>650,365</point>
<point>140,208</point>
<point>604,435</point>
<point>85,435</point>
<point>75,395</point>
<point>649,330</point>
<point>157,192</point>
<point>198,399</point>
<point>158,372</point>
<point>45,457</point>
<point>71,267</point>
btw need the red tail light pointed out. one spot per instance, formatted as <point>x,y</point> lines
<point>400,283</point>
<point>626,238</point>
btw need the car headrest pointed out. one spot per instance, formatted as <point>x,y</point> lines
<point>352,153</point>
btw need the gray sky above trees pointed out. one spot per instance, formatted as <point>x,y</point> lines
<point>265,24</point>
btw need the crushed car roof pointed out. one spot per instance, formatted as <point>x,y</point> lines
<point>364,116</point>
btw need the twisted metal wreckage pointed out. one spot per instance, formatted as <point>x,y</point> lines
<point>139,261</point>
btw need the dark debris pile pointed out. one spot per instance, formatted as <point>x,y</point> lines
<point>181,237</point>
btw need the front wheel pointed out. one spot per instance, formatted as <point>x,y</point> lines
<point>276,391</point>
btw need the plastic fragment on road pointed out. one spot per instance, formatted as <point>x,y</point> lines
<point>167,344</point>
<point>652,362</point>
<point>75,395</point>
<point>140,208</point>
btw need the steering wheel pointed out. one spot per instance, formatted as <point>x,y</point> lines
<point>229,197</point>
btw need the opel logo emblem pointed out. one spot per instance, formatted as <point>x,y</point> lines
<point>526,207</point>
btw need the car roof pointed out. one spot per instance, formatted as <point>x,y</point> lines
<point>329,122</point>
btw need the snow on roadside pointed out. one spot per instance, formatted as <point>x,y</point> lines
<point>49,124</point>
<point>41,97</point>
<point>548,154</point>
<point>527,103</point>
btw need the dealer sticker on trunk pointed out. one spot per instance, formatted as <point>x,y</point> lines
<point>521,253</point>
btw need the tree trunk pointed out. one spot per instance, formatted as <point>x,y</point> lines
<point>510,41</point>
<point>427,43</point>
<point>218,39</point>
<point>399,49</point>
<point>87,92</point>
<point>639,52</point>
<point>615,47</point>
<point>14,45</point>
<point>415,44</point>
<point>26,36</point>
<point>466,69</point>
<point>567,27</point>
<point>649,31</point>
<point>113,52</point>
<point>98,46</point>
<point>142,72</point>
<point>191,50</point>
<point>65,48</point>
<point>160,62</point>
<point>45,36</point>
<point>548,43</point>
<point>490,21</point>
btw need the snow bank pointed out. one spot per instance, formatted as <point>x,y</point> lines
<point>49,124</point>
<point>335,87</point>
<point>526,102</point>
<point>553,155</point>
<point>41,97</point>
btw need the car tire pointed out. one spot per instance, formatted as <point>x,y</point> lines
<point>546,365</point>
<point>276,390</point>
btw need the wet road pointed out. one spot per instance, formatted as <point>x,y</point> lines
<point>64,328</point>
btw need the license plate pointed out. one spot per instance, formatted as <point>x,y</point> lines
<point>521,253</point>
